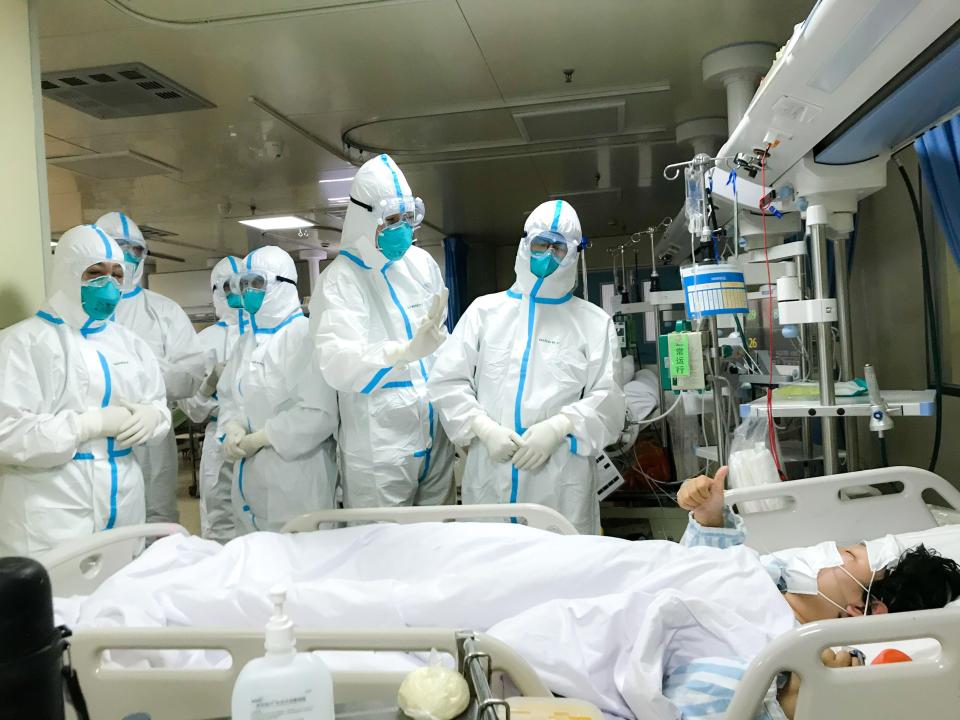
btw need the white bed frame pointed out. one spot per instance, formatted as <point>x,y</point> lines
<point>818,508</point>
<point>835,507</point>
<point>536,516</point>
<point>919,689</point>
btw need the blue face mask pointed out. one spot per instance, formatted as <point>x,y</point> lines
<point>395,241</point>
<point>543,264</point>
<point>235,301</point>
<point>253,300</point>
<point>130,258</point>
<point>99,297</point>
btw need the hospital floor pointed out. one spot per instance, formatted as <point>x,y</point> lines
<point>189,507</point>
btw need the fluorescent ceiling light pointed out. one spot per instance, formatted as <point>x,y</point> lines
<point>336,180</point>
<point>339,200</point>
<point>280,222</point>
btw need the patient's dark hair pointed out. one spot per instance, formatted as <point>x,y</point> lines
<point>921,580</point>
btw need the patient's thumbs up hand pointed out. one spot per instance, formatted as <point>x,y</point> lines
<point>703,496</point>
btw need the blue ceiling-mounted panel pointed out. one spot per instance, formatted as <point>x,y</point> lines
<point>914,100</point>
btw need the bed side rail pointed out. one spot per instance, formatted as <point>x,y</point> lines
<point>926,688</point>
<point>201,693</point>
<point>819,509</point>
<point>80,566</point>
<point>535,516</point>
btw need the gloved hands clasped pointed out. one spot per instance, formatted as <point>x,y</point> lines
<point>239,444</point>
<point>529,452</point>
<point>130,423</point>
<point>428,337</point>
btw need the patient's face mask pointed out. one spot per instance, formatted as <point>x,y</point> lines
<point>801,566</point>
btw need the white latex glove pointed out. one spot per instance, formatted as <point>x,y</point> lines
<point>251,444</point>
<point>501,442</point>
<point>139,427</point>
<point>209,386</point>
<point>541,441</point>
<point>102,422</point>
<point>234,433</point>
<point>429,335</point>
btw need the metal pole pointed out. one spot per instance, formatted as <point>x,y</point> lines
<point>828,425</point>
<point>846,346</point>
<point>719,417</point>
<point>583,269</point>
<point>658,324</point>
<point>805,430</point>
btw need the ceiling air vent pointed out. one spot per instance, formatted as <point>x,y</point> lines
<point>581,120</point>
<point>120,91</point>
<point>111,166</point>
<point>152,233</point>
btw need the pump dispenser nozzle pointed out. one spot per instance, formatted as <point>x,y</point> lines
<point>279,633</point>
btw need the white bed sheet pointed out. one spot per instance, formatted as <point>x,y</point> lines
<point>600,619</point>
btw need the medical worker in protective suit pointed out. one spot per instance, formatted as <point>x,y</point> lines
<point>277,415</point>
<point>219,339</point>
<point>528,380</point>
<point>168,331</point>
<point>76,393</point>
<point>377,320</point>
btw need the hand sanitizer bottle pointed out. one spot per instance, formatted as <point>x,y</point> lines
<point>283,683</point>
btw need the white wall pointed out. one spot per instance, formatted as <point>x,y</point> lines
<point>887,318</point>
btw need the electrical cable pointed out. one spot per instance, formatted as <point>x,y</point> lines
<point>884,461</point>
<point>649,421</point>
<point>934,356</point>
<point>771,426</point>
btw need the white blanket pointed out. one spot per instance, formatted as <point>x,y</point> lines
<point>601,619</point>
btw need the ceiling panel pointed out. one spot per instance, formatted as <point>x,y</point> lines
<point>421,75</point>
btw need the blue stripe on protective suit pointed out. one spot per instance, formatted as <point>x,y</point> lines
<point>270,331</point>
<point>423,370</point>
<point>112,452</point>
<point>133,293</point>
<point>517,409</point>
<point>556,216</point>
<point>396,182</point>
<point>375,380</point>
<point>49,318</point>
<point>124,225</point>
<point>246,505</point>
<point>354,259</point>
<point>106,243</point>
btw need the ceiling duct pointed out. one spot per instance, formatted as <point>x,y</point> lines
<point>581,120</point>
<point>111,166</point>
<point>120,91</point>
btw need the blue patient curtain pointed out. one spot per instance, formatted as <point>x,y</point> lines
<point>455,261</point>
<point>939,153</point>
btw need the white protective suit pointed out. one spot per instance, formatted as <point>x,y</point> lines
<point>525,356</point>
<point>55,487</point>
<point>216,474</point>
<point>168,331</point>
<point>393,450</point>
<point>270,384</point>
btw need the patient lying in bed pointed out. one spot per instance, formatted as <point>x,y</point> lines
<point>822,582</point>
<point>613,622</point>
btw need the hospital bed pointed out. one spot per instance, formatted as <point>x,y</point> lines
<point>861,505</point>
<point>493,670</point>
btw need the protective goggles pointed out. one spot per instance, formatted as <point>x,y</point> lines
<point>101,281</point>
<point>255,280</point>
<point>396,211</point>
<point>549,241</point>
<point>224,286</point>
<point>134,248</point>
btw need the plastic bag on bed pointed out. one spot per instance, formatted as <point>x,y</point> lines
<point>751,463</point>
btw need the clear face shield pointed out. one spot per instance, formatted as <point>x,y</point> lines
<point>233,298</point>
<point>134,251</point>
<point>397,218</point>
<point>549,250</point>
<point>252,285</point>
